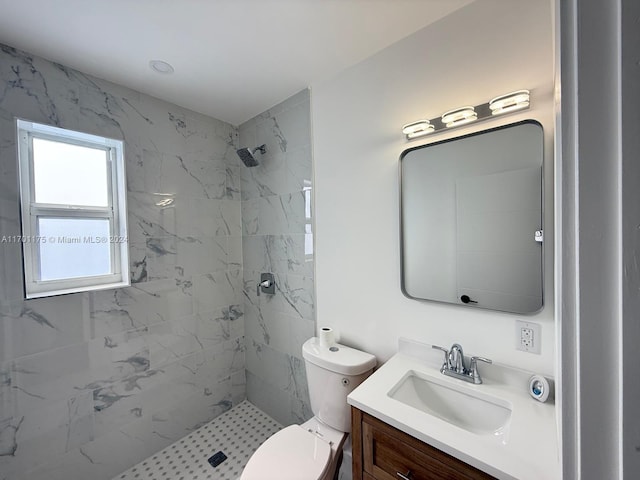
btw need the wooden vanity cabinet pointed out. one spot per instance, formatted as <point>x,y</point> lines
<point>382,452</point>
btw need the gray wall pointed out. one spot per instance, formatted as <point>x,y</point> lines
<point>90,384</point>
<point>630,95</point>
<point>600,217</point>
<point>277,237</point>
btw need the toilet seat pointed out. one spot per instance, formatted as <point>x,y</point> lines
<point>291,454</point>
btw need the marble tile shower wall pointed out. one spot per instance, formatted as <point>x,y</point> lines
<point>93,383</point>
<point>277,237</point>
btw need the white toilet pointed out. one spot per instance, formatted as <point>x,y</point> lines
<point>311,451</point>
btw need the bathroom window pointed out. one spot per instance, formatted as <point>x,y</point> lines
<point>73,199</point>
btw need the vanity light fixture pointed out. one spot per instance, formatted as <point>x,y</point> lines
<point>500,105</point>
<point>459,116</point>
<point>509,102</point>
<point>417,128</point>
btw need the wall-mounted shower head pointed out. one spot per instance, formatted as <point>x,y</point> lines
<point>247,155</point>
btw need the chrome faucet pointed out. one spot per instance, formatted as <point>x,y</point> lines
<point>454,366</point>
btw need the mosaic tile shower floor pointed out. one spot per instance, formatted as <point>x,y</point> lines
<point>237,433</point>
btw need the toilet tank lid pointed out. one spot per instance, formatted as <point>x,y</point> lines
<point>344,360</point>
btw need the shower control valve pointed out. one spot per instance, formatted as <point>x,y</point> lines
<point>267,284</point>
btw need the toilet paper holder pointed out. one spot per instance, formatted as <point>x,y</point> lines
<point>267,284</point>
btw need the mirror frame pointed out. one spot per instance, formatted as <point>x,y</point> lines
<point>542,213</point>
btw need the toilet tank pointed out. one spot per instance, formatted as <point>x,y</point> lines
<point>332,374</point>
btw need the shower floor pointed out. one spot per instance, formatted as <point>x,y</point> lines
<point>237,433</point>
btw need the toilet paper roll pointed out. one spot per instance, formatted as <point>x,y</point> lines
<point>327,337</point>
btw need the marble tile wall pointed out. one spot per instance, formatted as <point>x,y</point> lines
<point>92,383</point>
<point>277,237</point>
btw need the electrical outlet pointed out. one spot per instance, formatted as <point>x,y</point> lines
<point>528,337</point>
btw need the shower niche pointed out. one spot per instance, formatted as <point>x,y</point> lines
<point>472,219</point>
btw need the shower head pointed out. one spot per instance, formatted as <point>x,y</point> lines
<point>247,155</point>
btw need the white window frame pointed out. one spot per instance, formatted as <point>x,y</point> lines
<point>115,212</point>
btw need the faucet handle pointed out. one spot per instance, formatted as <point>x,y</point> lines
<point>481,359</point>
<point>446,354</point>
<point>474,368</point>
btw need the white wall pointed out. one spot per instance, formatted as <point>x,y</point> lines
<point>483,50</point>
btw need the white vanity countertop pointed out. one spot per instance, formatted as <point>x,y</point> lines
<point>526,449</point>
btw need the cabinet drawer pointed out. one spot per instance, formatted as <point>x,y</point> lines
<point>388,452</point>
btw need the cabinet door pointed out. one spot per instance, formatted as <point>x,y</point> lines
<point>390,455</point>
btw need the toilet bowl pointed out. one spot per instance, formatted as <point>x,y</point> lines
<point>297,452</point>
<point>313,450</point>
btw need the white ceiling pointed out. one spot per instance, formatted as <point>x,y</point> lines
<point>233,59</point>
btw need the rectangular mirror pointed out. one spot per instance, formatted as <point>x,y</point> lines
<point>471,219</point>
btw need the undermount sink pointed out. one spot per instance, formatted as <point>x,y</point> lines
<point>466,408</point>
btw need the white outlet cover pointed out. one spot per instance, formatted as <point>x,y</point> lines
<point>536,339</point>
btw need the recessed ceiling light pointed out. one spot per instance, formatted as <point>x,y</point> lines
<point>159,66</point>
